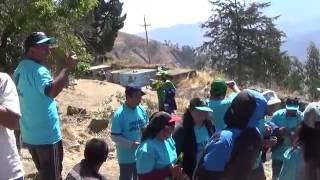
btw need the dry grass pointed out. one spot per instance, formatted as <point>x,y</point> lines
<point>202,79</point>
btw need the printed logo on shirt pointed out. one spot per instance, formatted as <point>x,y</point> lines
<point>136,125</point>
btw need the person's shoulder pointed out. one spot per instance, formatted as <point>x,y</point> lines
<point>147,146</point>
<point>119,110</point>
<point>293,154</point>
<point>228,136</point>
<point>141,107</point>
<point>279,112</point>
<point>6,81</point>
<point>4,77</point>
<point>117,113</point>
<point>74,173</point>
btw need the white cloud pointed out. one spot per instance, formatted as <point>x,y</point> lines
<point>163,13</point>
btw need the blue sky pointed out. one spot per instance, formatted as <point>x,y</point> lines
<point>166,13</point>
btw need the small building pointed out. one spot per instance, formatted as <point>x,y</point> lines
<point>95,70</point>
<point>137,77</point>
<point>115,75</point>
<point>179,74</point>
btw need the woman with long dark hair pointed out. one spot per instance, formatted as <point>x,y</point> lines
<point>156,155</point>
<point>302,161</point>
<point>192,134</point>
<point>231,153</point>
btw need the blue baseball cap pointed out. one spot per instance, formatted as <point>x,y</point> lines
<point>132,89</point>
<point>292,104</point>
<point>37,38</point>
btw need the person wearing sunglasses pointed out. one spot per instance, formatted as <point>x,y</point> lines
<point>156,155</point>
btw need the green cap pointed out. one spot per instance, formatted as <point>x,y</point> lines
<point>219,86</point>
<point>162,73</point>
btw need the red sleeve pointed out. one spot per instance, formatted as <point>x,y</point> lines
<point>159,174</point>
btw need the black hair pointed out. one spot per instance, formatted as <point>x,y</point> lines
<point>240,111</point>
<point>155,125</point>
<point>96,151</point>
<point>309,138</point>
<point>217,95</point>
<point>244,154</point>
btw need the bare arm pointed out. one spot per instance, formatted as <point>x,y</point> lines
<point>123,141</point>
<point>60,81</point>
<point>233,86</point>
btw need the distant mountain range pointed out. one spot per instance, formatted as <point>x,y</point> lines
<point>299,36</point>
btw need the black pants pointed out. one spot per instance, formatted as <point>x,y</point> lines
<point>276,168</point>
<point>258,174</point>
<point>48,160</point>
<point>128,171</point>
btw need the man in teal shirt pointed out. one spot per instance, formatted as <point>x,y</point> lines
<point>219,102</point>
<point>287,120</point>
<point>40,124</point>
<point>127,122</point>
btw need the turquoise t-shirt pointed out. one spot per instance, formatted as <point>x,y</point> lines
<point>292,168</point>
<point>202,138</point>
<point>39,123</point>
<point>128,123</point>
<point>291,123</point>
<point>155,154</point>
<point>219,108</point>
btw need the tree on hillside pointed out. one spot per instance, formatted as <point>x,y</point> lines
<point>56,18</point>
<point>295,79</point>
<point>100,27</point>
<point>244,42</point>
<point>313,70</point>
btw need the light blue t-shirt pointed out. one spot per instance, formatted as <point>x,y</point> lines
<point>219,108</point>
<point>291,123</point>
<point>155,154</point>
<point>202,138</point>
<point>39,123</point>
<point>128,123</point>
<point>218,151</point>
<point>293,165</point>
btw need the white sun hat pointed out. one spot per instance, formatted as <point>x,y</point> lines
<point>271,97</point>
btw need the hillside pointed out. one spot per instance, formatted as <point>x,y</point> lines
<point>133,48</point>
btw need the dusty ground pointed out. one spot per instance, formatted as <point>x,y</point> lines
<point>91,94</point>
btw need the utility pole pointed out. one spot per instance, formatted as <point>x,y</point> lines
<point>147,39</point>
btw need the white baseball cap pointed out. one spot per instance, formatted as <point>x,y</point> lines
<point>311,115</point>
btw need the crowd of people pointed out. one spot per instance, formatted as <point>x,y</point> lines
<point>224,137</point>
